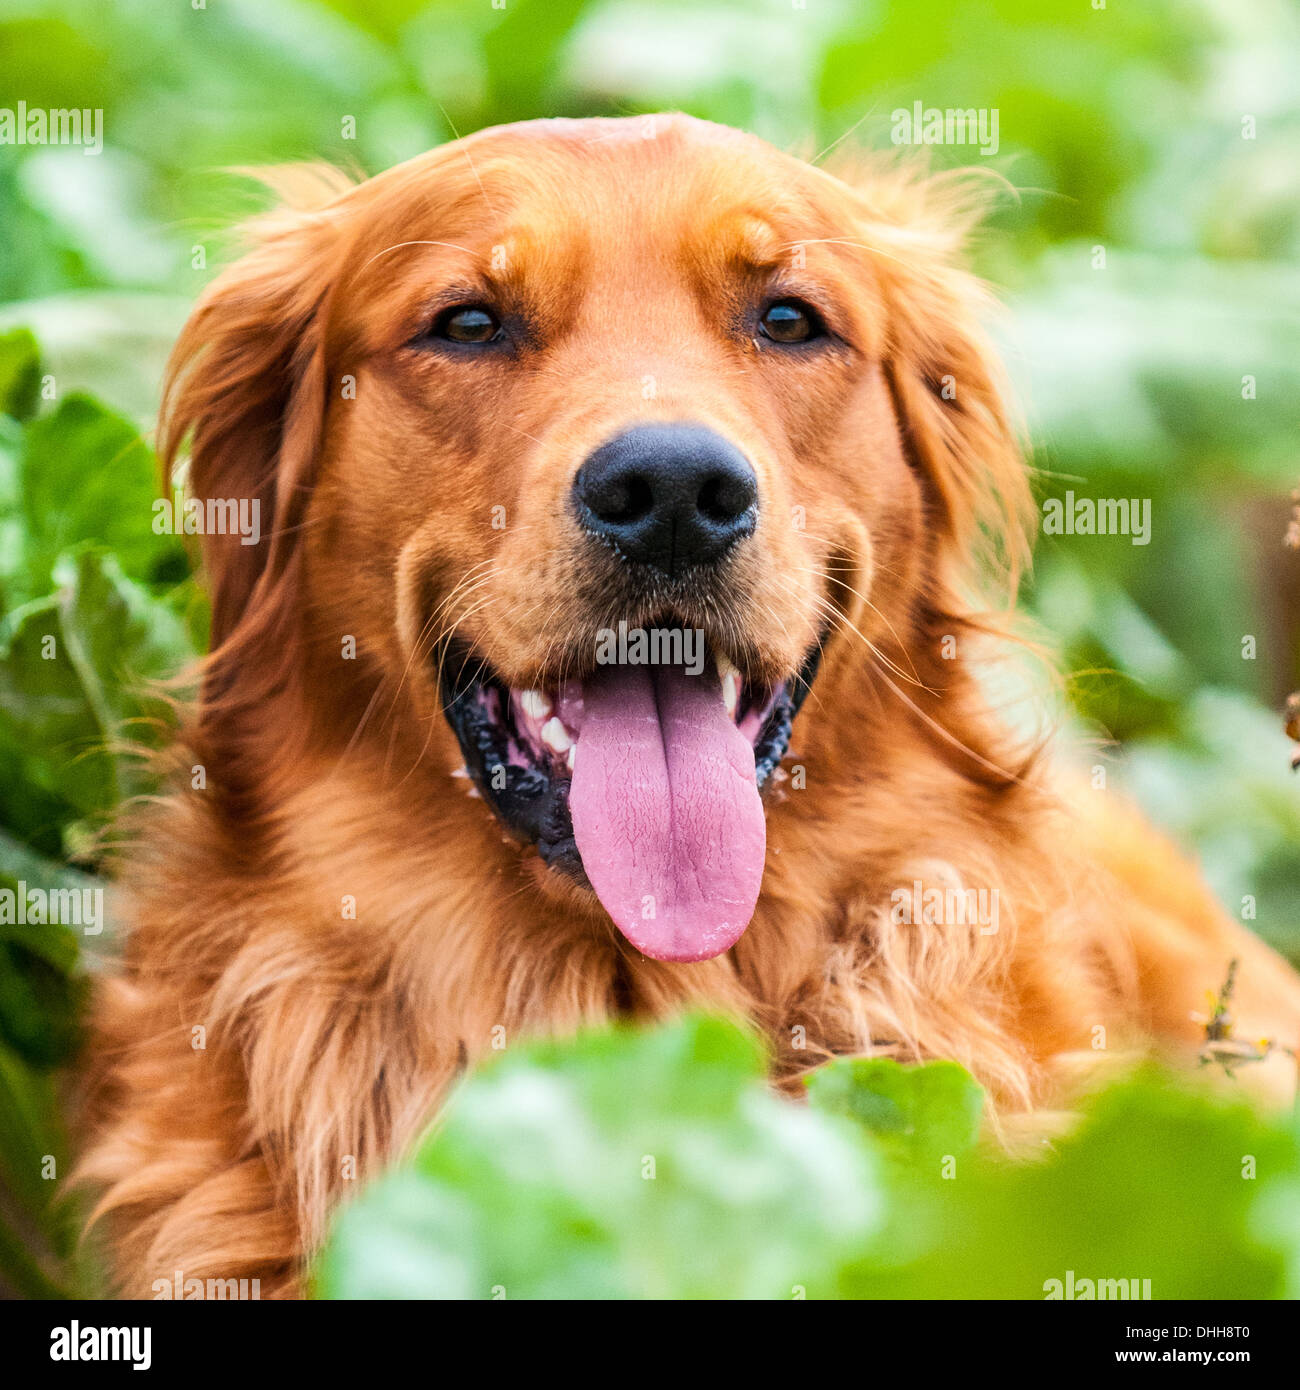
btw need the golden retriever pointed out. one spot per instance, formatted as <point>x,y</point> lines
<point>529,419</point>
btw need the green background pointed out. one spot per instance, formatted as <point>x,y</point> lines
<point>1165,133</point>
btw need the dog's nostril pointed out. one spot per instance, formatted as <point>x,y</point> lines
<point>624,500</point>
<point>669,496</point>
<point>724,498</point>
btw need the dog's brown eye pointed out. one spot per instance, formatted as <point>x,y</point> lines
<point>789,321</point>
<point>467,325</point>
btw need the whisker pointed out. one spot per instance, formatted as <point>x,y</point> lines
<point>915,677</point>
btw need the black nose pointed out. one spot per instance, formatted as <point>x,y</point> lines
<point>668,496</point>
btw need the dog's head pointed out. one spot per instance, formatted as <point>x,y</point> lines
<point>596,438</point>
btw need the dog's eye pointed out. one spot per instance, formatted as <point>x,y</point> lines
<point>790,321</point>
<point>467,324</point>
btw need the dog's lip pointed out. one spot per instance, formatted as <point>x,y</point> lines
<point>518,743</point>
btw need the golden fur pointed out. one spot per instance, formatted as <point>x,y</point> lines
<point>330,1041</point>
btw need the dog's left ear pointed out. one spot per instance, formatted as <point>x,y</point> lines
<point>949,388</point>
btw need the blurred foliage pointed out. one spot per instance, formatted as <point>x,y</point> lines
<point>549,1179</point>
<point>90,613</point>
<point>546,1180</point>
<point>1148,247</point>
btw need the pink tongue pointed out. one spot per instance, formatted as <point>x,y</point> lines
<point>666,812</point>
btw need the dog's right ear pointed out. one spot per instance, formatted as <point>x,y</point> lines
<point>245,386</point>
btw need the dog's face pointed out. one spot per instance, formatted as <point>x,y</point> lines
<point>598,437</point>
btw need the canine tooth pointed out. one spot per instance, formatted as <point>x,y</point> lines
<point>731,691</point>
<point>724,664</point>
<point>555,736</point>
<point>534,704</point>
<point>573,748</point>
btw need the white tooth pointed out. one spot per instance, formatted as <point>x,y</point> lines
<point>555,736</point>
<point>724,664</point>
<point>731,692</point>
<point>534,704</point>
<point>572,750</point>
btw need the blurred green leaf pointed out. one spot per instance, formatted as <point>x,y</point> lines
<point>1161,1183</point>
<point>20,373</point>
<point>33,1158</point>
<point>73,669</point>
<point>40,1007</point>
<point>520,54</point>
<point>655,1163</point>
<point>87,475</point>
<point>918,1113</point>
<point>623,1164</point>
<point>41,997</point>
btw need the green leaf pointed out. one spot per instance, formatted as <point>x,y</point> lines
<point>623,1164</point>
<point>657,1164</point>
<point>39,1223</point>
<point>521,54</point>
<point>21,864</point>
<point>46,720</point>
<point>40,1008</point>
<point>918,1112</point>
<point>73,669</point>
<point>1161,1183</point>
<point>21,1272</point>
<point>20,373</point>
<point>13,536</point>
<point>88,475</point>
<point>40,996</point>
<point>121,637</point>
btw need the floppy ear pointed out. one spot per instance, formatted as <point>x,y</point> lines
<point>246,385</point>
<point>949,389</point>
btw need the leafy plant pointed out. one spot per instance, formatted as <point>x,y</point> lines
<point>91,614</point>
<point>627,1164</point>
<point>635,1163</point>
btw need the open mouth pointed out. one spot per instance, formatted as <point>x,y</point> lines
<point>642,780</point>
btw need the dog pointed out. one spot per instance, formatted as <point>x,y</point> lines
<point>614,648</point>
